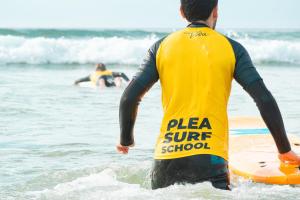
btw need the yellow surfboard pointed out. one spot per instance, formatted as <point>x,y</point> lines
<point>253,154</point>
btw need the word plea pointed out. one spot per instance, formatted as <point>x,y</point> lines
<point>187,135</point>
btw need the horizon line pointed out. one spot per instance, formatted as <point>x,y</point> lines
<point>138,28</point>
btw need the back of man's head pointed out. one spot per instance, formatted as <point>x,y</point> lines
<point>100,67</point>
<point>198,10</point>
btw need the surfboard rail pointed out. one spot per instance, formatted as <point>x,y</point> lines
<point>253,153</point>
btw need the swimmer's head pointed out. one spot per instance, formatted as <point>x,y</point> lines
<point>200,10</point>
<point>100,67</point>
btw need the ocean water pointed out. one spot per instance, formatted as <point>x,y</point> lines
<point>57,141</point>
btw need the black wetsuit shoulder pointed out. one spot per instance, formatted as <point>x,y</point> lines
<point>148,74</point>
<point>247,76</point>
<point>245,72</point>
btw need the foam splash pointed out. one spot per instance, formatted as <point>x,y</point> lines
<point>103,185</point>
<point>106,185</point>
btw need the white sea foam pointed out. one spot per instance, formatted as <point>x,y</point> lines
<point>274,51</point>
<point>41,50</point>
<point>106,186</point>
<point>14,49</point>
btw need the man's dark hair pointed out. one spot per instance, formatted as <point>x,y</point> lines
<point>195,10</point>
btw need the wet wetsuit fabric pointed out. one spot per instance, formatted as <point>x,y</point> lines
<point>244,73</point>
<point>191,170</point>
<point>107,76</point>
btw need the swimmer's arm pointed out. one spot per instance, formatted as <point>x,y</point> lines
<point>247,76</point>
<point>120,74</point>
<point>85,79</point>
<point>141,83</point>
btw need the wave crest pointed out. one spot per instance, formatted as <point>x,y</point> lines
<point>121,50</point>
<point>273,51</point>
<point>42,50</point>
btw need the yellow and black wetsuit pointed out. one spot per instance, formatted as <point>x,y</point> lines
<point>195,67</point>
<point>107,76</point>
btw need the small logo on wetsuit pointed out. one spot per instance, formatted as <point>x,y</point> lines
<point>178,139</point>
<point>196,34</point>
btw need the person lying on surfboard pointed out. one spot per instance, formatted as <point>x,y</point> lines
<point>104,78</point>
<point>196,66</point>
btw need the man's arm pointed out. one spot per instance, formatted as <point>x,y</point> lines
<point>247,76</point>
<point>121,74</point>
<point>271,114</point>
<point>85,79</point>
<point>141,83</point>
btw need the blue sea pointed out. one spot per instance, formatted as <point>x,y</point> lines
<point>57,141</point>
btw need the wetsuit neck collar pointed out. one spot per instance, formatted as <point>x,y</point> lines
<point>197,24</point>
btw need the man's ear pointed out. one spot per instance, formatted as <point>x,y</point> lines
<point>215,12</point>
<point>182,13</point>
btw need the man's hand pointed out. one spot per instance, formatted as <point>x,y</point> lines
<point>290,158</point>
<point>123,149</point>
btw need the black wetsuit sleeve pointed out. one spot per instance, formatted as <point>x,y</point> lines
<point>120,74</point>
<point>271,114</point>
<point>247,76</point>
<point>85,79</point>
<point>141,83</point>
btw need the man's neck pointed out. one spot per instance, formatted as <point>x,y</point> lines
<point>208,23</point>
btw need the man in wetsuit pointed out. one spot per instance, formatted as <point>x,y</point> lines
<point>195,67</point>
<point>103,77</point>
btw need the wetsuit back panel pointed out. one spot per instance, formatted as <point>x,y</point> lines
<point>98,74</point>
<point>196,67</point>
